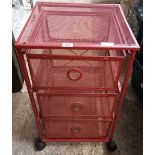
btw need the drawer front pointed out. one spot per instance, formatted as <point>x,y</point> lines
<point>76,128</point>
<point>68,72</point>
<point>76,104</point>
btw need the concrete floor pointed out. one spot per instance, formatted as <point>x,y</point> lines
<point>128,136</point>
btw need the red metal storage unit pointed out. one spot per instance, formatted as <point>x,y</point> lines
<point>71,57</point>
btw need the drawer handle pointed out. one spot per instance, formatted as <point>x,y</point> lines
<point>75,130</point>
<point>74,74</point>
<point>76,106</point>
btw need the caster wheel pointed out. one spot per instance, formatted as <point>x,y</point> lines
<point>39,144</point>
<point>111,146</point>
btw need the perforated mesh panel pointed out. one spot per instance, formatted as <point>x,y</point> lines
<point>52,22</point>
<point>74,73</point>
<point>76,105</point>
<point>56,76</point>
<point>76,129</point>
<point>77,28</point>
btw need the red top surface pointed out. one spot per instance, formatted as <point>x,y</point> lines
<point>52,25</point>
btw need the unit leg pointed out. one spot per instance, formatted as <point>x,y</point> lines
<point>111,146</point>
<point>39,144</point>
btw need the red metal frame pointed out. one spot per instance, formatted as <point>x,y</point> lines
<point>30,91</point>
<point>45,139</point>
<point>84,91</point>
<point>122,94</point>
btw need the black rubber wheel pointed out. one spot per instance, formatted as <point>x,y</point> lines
<point>111,146</point>
<point>39,144</point>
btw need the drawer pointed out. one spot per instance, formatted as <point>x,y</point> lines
<point>76,128</point>
<point>74,104</point>
<point>97,72</point>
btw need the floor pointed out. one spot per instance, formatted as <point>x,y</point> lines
<point>128,136</point>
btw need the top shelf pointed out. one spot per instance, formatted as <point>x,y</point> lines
<point>68,25</point>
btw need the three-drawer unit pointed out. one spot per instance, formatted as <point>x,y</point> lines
<point>71,56</point>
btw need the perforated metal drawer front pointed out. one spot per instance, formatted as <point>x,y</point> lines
<point>68,70</point>
<point>77,104</point>
<point>76,128</point>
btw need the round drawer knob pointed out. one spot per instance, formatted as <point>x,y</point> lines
<point>74,74</point>
<point>75,130</point>
<point>76,106</point>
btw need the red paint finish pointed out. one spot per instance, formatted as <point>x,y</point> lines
<point>92,72</point>
<point>77,104</point>
<point>71,56</point>
<point>77,128</point>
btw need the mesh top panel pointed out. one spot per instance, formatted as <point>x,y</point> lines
<point>77,28</point>
<point>76,23</point>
